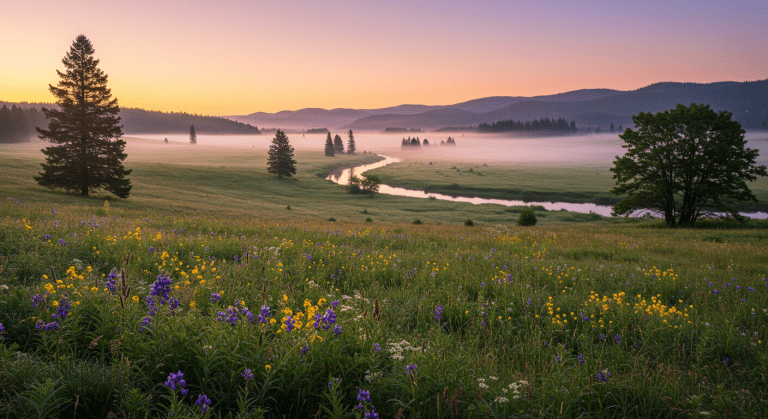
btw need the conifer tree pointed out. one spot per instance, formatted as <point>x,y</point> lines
<point>351,147</point>
<point>338,145</point>
<point>88,153</point>
<point>280,160</point>
<point>329,151</point>
<point>192,135</point>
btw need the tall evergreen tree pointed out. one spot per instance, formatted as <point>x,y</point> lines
<point>6,125</point>
<point>280,160</point>
<point>351,147</point>
<point>338,144</point>
<point>192,135</point>
<point>329,150</point>
<point>88,153</point>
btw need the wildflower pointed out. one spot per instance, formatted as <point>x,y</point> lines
<point>581,360</point>
<point>203,401</point>
<point>603,375</point>
<point>726,360</point>
<point>135,299</point>
<point>265,314</point>
<point>617,338</point>
<point>439,313</point>
<point>36,300</point>
<point>177,380</point>
<point>268,368</point>
<point>2,329</point>
<point>336,331</point>
<point>247,374</point>
<point>602,337</point>
<point>335,303</point>
<point>500,399</point>
<point>412,369</point>
<point>376,347</point>
<point>111,282</point>
<point>215,297</point>
<point>304,350</point>
<point>289,323</point>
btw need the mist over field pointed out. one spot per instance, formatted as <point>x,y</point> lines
<point>575,150</point>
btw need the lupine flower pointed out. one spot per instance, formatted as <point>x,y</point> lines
<point>376,347</point>
<point>581,360</point>
<point>203,401</point>
<point>602,336</point>
<point>439,313</point>
<point>289,323</point>
<point>151,249</point>
<point>304,350</point>
<point>264,316</point>
<point>215,297</point>
<point>336,331</point>
<point>36,300</point>
<point>2,329</point>
<point>175,381</point>
<point>161,288</point>
<point>335,303</point>
<point>411,369</point>
<point>604,375</point>
<point>726,360</point>
<point>63,310</point>
<point>247,374</point>
<point>111,282</point>
<point>617,338</point>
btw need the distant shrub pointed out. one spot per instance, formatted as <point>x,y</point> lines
<point>527,217</point>
<point>367,184</point>
<point>288,207</point>
<point>332,219</point>
<point>365,211</point>
<point>469,223</point>
<point>417,221</point>
<point>368,220</point>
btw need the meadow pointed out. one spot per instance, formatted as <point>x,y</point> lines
<point>275,312</point>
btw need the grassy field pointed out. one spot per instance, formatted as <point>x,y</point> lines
<point>576,183</point>
<point>271,312</point>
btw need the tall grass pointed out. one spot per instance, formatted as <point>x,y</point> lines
<point>571,320</point>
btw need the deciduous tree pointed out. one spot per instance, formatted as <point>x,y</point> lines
<point>683,164</point>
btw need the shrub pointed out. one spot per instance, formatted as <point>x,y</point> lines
<point>368,220</point>
<point>527,217</point>
<point>417,221</point>
<point>332,219</point>
<point>365,184</point>
<point>469,223</point>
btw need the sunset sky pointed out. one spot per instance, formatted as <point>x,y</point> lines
<point>241,56</point>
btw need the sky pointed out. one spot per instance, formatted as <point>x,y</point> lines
<point>235,57</point>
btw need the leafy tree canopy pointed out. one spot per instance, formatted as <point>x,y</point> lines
<point>684,164</point>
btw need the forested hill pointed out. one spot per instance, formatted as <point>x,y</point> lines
<point>18,122</point>
<point>139,121</point>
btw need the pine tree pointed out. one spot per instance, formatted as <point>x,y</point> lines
<point>192,135</point>
<point>280,160</point>
<point>329,151</point>
<point>338,145</point>
<point>89,153</point>
<point>351,147</point>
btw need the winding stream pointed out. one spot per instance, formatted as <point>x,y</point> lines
<point>342,178</point>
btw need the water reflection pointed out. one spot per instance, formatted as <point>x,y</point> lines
<point>342,178</point>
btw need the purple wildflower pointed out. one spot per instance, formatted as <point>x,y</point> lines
<point>336,331</point>
<point>203,401</point>
<point>177,380</point>
<point>617,338</point>
<point>247,374</point>
<point>289,324</point>
<point>603,375</point>
<point>439,313</point>
<point>376,347</point>
<point>36,300</point>
<point>215,297</point>
<point>411,369</point>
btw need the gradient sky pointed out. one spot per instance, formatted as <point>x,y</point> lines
<point>241,56</point>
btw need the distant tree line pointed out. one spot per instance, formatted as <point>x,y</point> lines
<point>152,122</point>
<point>395,130</point>
<point>411,143</point>
<point>318,131</point>
<point>457,129</point>
<point>18,125</point>
<point>559,125</point>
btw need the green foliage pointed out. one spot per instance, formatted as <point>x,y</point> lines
<point>338,145</point>
<point>417,221</point>
<point>505,343</point>
<point>330,151</point>
<point>469,223</point>
<point>280,161</point>
<point>527,217</point>
<point>351,147</point>
<point>685,164</point>
<point>89,153</point>
<point>365,184</point>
